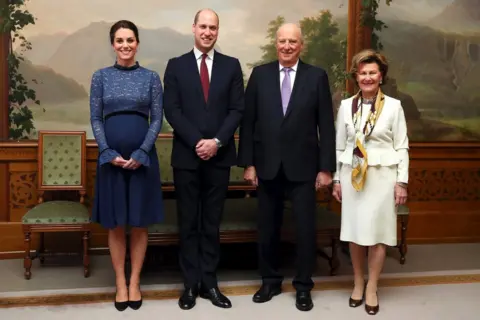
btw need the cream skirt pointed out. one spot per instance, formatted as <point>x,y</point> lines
<point>369,216</point>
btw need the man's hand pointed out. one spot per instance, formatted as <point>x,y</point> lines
<point>250,175</point>
<point>206,148</point>
<point>324,179</point>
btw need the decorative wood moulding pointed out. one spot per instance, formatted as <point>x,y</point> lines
<point>447,184</point>
<point>18,151</point>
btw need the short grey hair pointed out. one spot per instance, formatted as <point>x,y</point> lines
<point>294,24</point>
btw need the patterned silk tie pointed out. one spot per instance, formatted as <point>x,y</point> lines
<point>286,89</point>
<point>204,77</point>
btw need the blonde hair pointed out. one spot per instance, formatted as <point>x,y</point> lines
<point>369,56</point>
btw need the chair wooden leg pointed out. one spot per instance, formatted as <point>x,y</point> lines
<point>335,262</point>
<point>86,257</point>
<point>403,241</point>
<point>41,249</point>
<point>27,261</point>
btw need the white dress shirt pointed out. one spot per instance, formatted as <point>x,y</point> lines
<point>208,60</point>
<point>293,72</point>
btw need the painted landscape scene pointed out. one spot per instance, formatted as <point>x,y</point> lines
<point>433,51</point>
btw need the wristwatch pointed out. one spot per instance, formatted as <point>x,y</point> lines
<point>218,142</point>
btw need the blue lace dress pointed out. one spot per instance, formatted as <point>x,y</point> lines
<point>121,101</point>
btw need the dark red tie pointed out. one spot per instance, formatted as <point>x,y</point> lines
<point>204,77</point>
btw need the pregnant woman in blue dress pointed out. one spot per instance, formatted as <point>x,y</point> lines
<point>128,189</point>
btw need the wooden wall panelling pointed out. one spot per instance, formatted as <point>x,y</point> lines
<point>444,192</point>
<point>4,122</point>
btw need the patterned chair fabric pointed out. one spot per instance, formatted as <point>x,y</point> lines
<point>164,151</point>
<point>57,212</point>
<point>62,160</point>
<point>61,167</point>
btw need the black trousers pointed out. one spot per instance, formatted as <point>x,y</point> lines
<point>271,194</point>
<point>200,197</point>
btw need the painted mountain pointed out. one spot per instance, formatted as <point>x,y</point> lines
<point>462,16</point>
<point>44,46</point>
<point>50,86</point>
<point>435,67</point>
<point>89,49</point>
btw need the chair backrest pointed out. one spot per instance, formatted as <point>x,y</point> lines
<point>62,160</point>
<point>164,152</point>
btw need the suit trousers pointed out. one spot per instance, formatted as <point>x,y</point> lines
<point>271,195</point>
<point>200,197</point>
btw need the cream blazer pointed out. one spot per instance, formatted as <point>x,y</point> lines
<point>386,146</point>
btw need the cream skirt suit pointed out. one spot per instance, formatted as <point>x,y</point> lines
<point>369,216</point>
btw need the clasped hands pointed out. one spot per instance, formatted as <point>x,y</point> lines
<point>206,149</point>
<point>324,179</point>
<point>131,164</point>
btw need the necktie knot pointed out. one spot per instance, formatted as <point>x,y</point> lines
<point>287,70</point>
<point>204,56</point>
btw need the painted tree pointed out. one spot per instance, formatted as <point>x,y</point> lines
<point>13,18</point>
<point>324,47</point>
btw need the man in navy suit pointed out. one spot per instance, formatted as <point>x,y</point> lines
<point>287,146</point>
<point>203,102</point>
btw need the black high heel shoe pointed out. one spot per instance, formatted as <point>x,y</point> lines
<point>135,305</point>
<point>372,310</point>
<point>354,303</point>
<point>120,306</point>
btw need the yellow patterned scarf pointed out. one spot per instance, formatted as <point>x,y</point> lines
<point>360,157</point>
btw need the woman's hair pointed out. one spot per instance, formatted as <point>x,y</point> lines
<point>125,24</point>
<point>369,56</point>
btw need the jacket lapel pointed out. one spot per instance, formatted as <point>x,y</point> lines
<point>277,94</point>
<point>192,65</point>
<point>214,77</point>
<point>297,87</point>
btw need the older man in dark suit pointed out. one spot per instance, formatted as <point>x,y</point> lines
<point>287,146</point>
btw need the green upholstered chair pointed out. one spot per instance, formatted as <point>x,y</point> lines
<point>164,153</point>
<point>61,166</point>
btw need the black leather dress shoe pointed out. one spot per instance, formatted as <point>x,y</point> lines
<point>188,298</point>
<point>304,301</point>
<point>216,297</point>
<point>267,292</point>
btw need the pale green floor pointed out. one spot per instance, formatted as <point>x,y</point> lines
<point>421,258</point>
<point>424,302</point>
<point>436,302</point>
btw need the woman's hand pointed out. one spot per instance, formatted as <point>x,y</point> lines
<point>118,161</point>
<point>400,194</point>
<point>131,164</point>
<point>337,191</point>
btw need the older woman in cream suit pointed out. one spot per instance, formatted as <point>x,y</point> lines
<point>372,173</point>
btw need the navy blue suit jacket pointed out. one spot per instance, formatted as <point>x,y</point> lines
<point>194,119</point>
